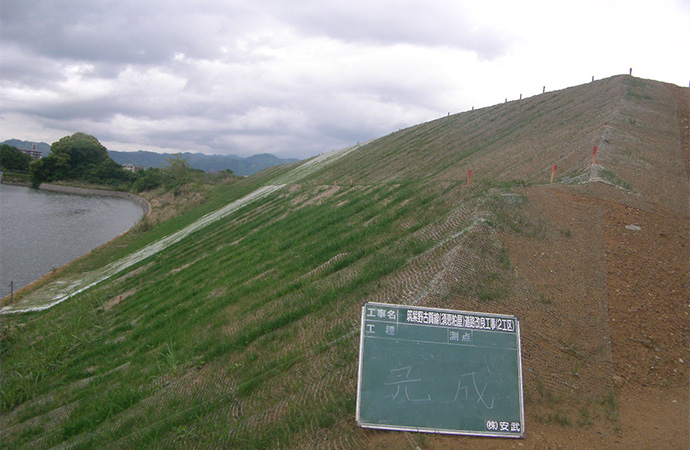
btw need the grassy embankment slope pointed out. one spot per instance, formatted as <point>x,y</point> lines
<point>244,334</point>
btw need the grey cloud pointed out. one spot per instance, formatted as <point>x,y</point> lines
<point>119,33</point>
<point>151,32</point>
<point>182,74</point>
<point>444,24</point>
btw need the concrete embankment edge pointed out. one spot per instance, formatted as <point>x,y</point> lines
<point>143,203</point>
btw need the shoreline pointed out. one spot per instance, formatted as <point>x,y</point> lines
<point>142,202</point>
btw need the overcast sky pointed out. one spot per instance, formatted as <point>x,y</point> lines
<point>300,78</point>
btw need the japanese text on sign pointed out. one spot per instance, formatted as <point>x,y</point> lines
<point>459,320</point>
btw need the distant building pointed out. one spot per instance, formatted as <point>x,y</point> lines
<point>35,154</point>
<point>132,168</point>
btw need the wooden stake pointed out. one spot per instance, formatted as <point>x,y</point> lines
<point>469,176</point>
<point>594,154</point>
<point>553,173</point>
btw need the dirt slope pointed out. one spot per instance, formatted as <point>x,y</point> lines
<point>612,269</point>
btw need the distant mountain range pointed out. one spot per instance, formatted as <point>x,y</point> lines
<point>208,163</point>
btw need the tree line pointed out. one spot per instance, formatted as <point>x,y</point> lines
<point>12,159</point>
<point>82,158</point>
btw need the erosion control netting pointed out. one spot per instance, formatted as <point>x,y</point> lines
<point>563,316</point>
<point>294,387</point>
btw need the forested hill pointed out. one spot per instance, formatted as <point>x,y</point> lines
<point>242,166</point>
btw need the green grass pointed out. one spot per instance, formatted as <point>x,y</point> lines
<point>559,417</point>
<point>614,179</point>
<point>174,323</point>
<point>16,177</point>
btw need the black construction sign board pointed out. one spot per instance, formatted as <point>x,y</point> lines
<point>440,371</point>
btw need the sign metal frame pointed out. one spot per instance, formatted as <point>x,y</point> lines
<point>484,323</point>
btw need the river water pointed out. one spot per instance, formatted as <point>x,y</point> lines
<point>41,231</point>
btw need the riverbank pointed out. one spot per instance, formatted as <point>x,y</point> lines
<point>158,206</point>
<point>62,291</point>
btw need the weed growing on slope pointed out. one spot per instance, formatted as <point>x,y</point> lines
<point>44,350</point>
<point>610,406</point>
<point>169,360</point>
<point>88,415</point>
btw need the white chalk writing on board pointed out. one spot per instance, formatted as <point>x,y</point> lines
<point>401,378</point>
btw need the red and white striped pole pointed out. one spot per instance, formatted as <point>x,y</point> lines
<point>553,173</point>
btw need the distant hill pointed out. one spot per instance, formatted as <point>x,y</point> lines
<point>26,145</point>
<point>208,163</point>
